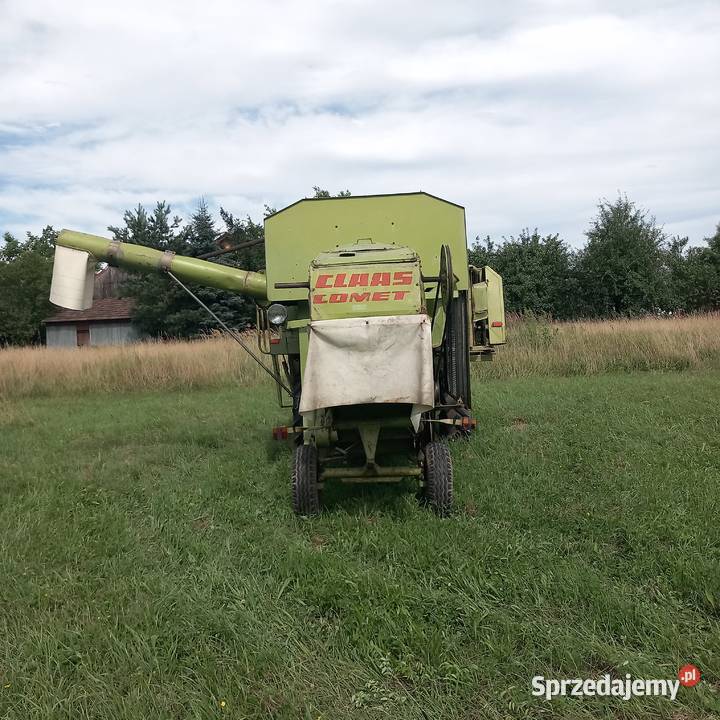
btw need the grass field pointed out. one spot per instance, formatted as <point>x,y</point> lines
<point>151,566</point>
<point>535,348</point>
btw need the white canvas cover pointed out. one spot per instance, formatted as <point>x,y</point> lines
<point>72,279</point>
<point>369,360</point>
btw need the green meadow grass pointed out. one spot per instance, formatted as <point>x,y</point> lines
<point>150,566</point>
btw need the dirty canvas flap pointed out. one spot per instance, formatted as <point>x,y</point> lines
<point>369,360</point>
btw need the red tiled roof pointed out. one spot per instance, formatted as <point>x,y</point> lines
<point>102,309</point>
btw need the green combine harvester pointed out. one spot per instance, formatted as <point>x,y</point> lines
<point>370,316</point>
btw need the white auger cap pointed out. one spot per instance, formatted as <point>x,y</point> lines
<point>73,278</point>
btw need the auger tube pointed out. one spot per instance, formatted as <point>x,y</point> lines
<point>145,259</point>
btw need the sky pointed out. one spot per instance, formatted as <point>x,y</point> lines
<point>526,113</point>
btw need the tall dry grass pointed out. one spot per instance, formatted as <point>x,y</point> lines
<point>535,348</point>
<point>209,362</point>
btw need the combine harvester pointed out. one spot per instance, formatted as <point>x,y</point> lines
<point>370,315</point>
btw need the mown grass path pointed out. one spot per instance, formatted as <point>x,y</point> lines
<point>150,565</point>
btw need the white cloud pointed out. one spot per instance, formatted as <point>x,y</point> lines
<point>526,114</point>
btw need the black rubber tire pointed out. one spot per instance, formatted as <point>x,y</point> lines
<point>305,492</point>
<point>439,478</point>
<point>456,380</point>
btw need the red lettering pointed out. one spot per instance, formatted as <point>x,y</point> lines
<point>342,280</point>
<point>381,278</point>
<point>358,280</point>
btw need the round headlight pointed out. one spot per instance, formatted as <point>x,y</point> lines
<point>277,314</point>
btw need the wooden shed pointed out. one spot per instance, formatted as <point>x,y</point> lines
<point>107,322</point>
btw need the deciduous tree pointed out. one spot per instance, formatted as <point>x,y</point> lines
<point>25,273</point>
<point>537,272</point>
<point>621,270</point>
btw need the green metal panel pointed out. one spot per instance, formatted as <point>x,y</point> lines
<point>300,326</point>
<point>296,235</point>
<point>365,252</point>
<point>496,306</point>
<point>438,326</point>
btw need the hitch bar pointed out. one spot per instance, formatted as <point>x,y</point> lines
<point>282,432</point>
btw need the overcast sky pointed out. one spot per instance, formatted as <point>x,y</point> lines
<point>526,113</point>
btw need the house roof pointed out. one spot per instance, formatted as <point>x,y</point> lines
<point>102,309</point>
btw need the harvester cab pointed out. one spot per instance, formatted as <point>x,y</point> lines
<point>369,314</point>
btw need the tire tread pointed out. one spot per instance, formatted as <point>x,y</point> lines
<point>439,477</point>
<point>305,492</point>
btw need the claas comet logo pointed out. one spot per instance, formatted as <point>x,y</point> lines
<point>370,287</point>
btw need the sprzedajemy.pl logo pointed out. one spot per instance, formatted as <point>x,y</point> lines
<point>607,686</point>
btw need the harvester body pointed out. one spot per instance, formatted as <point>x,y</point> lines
<point>370,315</point>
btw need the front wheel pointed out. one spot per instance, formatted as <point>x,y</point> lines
<point>305,492</point>
<point>438,477</point>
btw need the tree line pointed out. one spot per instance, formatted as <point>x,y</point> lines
<point>628,266</point>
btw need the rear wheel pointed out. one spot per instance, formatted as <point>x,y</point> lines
<point>438,477</point>
<point>305,491</point>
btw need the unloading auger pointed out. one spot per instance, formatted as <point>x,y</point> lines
<point>370,315</point>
